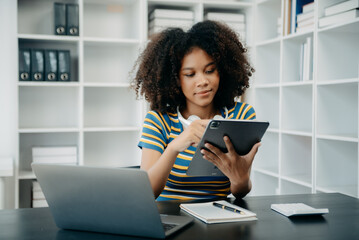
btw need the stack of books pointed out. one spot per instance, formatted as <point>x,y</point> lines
<point>56,155</point>
<point>305,20</point>
<point>160,19</point>
<point>340,12</point>
<point>38,198</point>
<point>306,63</point>
<point>298,11</point>
<point>236,21</point>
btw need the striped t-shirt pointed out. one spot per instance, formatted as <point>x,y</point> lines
<point>160,129</point>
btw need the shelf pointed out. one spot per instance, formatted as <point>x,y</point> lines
<point>96,41</point>
<point>48,84</point>
<point>338,81</point>
<point>112,129</point>
<point>111,107</point>
<point>227,4</point>
<point>266,22</point>
<point>344,27</point>
<point>337,110</point>
<point>29,140</point>
<point>111,149</point>
<point>337,166</point>
<point>297,117</point>
<point>267,73</point>
<point>337,138</point>
<point>107,85</point>
<point>110,19</point>
<point>263,184</point>
<point>329,65</point>
<point>267,85</point>
<point>267,156</point>
<point>297,133</point>
<point>288,187</point>
<point>99,62</point>
<point>296,158</point>
<point>291,68</point>
<point>36,107</point>
<point>48,130</point>
<point>50,38</point>
<point>265,172</point>
<point>268,42</point>
<point>267,106</point>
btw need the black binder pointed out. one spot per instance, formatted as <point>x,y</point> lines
<point>64,62</point>
<point>37,65</point>
<point>24,64</point>
<point>60,18</point>
<point>72,17</point>
<point>50,65</point>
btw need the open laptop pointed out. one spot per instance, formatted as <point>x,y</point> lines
<point>107,200</point>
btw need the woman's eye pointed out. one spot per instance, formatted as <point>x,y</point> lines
<point>189,75</point>
<point>210,71</point>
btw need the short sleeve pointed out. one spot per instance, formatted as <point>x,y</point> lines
<point>153,134</point>
<point>244,111</point>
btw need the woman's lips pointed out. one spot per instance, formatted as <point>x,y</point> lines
<point>204,92</point>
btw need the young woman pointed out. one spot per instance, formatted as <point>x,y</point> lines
<point>190,78</point>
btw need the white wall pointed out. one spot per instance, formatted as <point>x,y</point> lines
<point>8,95</point>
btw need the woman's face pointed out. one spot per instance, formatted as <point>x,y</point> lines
<point>199,78</point>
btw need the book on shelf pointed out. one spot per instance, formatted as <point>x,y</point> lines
<point>225,17</point>
<point>209,213</point>
<point>60,154</point>
<point>339,18</point>
<point>38,197</point>
<point>341,7</point>
<point>37,203</point>
<point>297,8</point>
<point>306,69</point>
<point>308,22</point>
<point>305,16</point>
<point>161,22</point>
<point>306,28</point>
<point>54,151</point>
<point>308,7</point>
<point>171,14</point>
<point>287,17</point>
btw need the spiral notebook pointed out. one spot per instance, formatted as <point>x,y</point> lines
<point>209,213</point>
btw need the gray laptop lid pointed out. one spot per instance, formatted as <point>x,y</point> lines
<point>118,201</point>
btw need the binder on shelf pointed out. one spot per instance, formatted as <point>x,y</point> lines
<point>37,65</point>
<point>24,64</point>
<point>50,65</point>
<point>72,19</point>
<point>64,62</point>
<point>60,18</point>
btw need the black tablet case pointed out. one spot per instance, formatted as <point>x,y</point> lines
<point>242,133</point>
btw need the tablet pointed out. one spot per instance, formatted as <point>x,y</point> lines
<point>242,133</point>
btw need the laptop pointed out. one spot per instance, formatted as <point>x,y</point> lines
<point>106,200</point>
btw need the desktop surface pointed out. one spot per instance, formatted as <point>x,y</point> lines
<point>340,223</point>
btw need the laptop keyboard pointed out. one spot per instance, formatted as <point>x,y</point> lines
<point>167,226</point>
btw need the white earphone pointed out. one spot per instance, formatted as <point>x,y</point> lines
<point>190,119</point>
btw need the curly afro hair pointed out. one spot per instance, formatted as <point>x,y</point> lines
<point>157,77</point>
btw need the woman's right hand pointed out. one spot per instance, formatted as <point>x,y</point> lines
<point>190,136</point>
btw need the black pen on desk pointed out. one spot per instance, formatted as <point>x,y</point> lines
<point>227,208</point>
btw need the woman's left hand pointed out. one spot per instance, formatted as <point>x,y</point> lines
<point>236,167</point>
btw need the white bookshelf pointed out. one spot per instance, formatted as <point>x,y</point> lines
<point>96,111</point>
<point>312,145</point>
<point>312,142</point>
